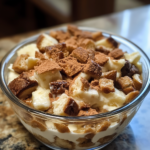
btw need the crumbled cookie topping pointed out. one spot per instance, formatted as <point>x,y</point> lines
<point>47,65</point>
<point>78,72</point>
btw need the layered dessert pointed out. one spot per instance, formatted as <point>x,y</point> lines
<point>75,73</point>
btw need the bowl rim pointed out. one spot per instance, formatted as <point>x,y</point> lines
<point>15,100</point>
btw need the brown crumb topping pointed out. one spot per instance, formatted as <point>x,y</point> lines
<point>95,85</point>
<point>47,65</point>
<point>129,69</point>
<point>110,75</point>
<point>70,66</point>
<point>101,58</point>
<point>71,44</point>
<point>116,53</point>
<point>22,83</point>
<point>39,55</point>
<point>106,85</point>
<point>126,84</point>
<point>59,86</point>
<point>96,36</point>
<point>72,108</point>
<point>93,69</point>
<point>80,54</point>
<point>61,36</point>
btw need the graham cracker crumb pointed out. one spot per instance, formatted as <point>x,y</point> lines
<point>47,65</point>
<point>106,85</point>
<point>116,53</point>
<point>61,36</point>
<point>95,85</point>
<point>110,75</point>
<point>96,36</point>
<point>101,58</point>
<point>70,66</point>
<point>93,69</point>
<point>39,55</point>
<point>71,43</point>
<point>80,54</point>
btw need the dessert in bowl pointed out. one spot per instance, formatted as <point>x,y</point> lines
<point>75,88</point>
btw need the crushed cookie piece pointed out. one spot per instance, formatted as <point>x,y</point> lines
<point>73,30</point>
<point>71,43</point>
<point>80,54</point>
<point>20,64</point>
<point>129,69</point>
<point>103,49</point>
<point>72,108</point>
<point>47,65</point>
<point>88,112</point>
<point>59,86</point>
<point>62,128</point>
<point>85,84</point>
<point>57,52</point>
<point>22,86</point>
<point>70,66</point>
<point>61,36</point>
<point>116,53</point>
<point>101,58</point>
<point>106,85</point>
<point>45,40</point>
<point>110,75</point>
<point>39,55</point>
<point>93,69</point>
<point>54,53</point>
<point>88,44</point>
<point>95,85</point>
<point>126,84</point>
<point>96,36</point>
<point>113,42</point>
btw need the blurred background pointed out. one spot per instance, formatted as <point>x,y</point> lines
<point>19,16</point>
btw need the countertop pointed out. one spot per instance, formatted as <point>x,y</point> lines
<point>133,24</point>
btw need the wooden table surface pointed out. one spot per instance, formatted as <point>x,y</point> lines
<point>133,24</point>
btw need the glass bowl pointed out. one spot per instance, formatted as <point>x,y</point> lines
<point>88,132</point>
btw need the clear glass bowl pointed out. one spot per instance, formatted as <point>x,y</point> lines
<point>89,132</point>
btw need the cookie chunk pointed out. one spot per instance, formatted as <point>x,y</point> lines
<point>126,84</point>
<point>70,66</point>
<point>80,54</point>
<point>106,85</point>
<point>129,69</point>
<point>59,86</point>
<point>116,53</point>
<point>101,58</point>
<point>22,87</point>
<point>93,69</point>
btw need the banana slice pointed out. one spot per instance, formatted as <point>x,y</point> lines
<point>40,99</point>
<point>29,49</point>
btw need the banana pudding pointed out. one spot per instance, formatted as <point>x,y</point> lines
<point>73,74</point>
